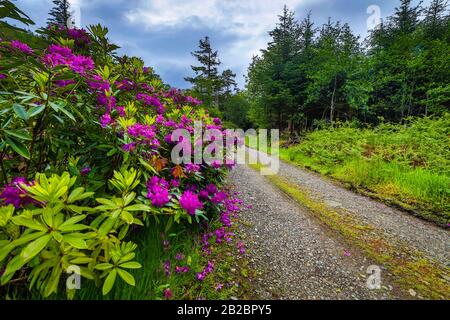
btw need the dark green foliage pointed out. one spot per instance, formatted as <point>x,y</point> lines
<point>406,164</point>
<point>307,75</point>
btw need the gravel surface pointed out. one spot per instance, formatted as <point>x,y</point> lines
<point>428,238</point>
<point>298,258</point>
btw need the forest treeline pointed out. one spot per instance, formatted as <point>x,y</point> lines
<point>310,75</point>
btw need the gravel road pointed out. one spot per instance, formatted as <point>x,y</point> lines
<point>424,236</point>
<point>298,258</point>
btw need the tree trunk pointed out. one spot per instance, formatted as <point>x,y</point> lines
<point>332,106</point>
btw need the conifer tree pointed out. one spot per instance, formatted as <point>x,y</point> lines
<point>60,13</point>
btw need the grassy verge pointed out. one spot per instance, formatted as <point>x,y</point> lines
<point>182,247</point>
<point>411,270</point>
<point>404,165</point>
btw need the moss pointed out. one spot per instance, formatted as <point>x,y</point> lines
<point>409,267</point>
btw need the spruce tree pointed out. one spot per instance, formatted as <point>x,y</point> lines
<point>60,13</point>
<point>206,81</point>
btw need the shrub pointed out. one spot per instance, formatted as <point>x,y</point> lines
<point>85,147</point>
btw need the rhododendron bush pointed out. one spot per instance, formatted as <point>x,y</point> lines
<point>85,152</point>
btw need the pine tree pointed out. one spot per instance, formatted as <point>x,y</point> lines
<point>207,81</point>
<point>435,18</point>
<point>60,13</point>
<point>406,17</point>
<point>228,82</point>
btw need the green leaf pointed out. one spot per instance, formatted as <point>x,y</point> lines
<point>103,266</point>
<point>109,282</point>
<point>106,226</point>
<point>34,111</point>
<point>20,111</point>
<point>138,207</point>
<point>33,248</point>
<point>127,217</point>
<point>6,214</point>
<point>71,221</point>
<point>75,242</point>
<point>18,147</point>
<point>21,134</point>
<point>131,265</point>
<point>126,276</point>
<point>28,222</point>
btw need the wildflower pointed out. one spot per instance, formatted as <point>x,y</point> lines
<point>166,244</point>
<point>141,131</point>
<point>225,219</point>
<point>20,46</point>
<point>179,256</point>
<point>167,267</point>
<point>241,247</point>
<point>168,293</point>
<point>85,171</point>
<point>2,76</point>
<point>184,269</point>
<point>218,286</point>
<point>129,147</point>
<point>207,270</point>
<point>189,201</point>
<point>177,172</point>
<point>105,120</point>
<point>347,253</point>
<point>217,121</point>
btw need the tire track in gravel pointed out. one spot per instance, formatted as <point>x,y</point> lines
<point>299,258</point>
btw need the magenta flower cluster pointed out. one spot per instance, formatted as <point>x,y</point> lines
<point>158,191</point>
<point>14,193</point>
<point>22,47</point>
<point>189,201</point>
<point>62,56</point>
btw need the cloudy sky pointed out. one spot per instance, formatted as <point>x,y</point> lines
<point>164,32</point>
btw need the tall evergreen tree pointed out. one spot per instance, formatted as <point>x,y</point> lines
<point>228,82</point>
<point>60,13</point>
<point>206,81</point>
<point>406,16</point>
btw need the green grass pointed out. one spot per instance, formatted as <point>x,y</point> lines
<point>405,165</point>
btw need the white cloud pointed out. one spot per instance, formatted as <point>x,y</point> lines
<point>247,21</point>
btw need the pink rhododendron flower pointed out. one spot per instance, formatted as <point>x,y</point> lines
<point>105,120</point>
<point>22,47</point>
<point>189,201</point>
<point>157,191</point>
<point>14,194</point>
